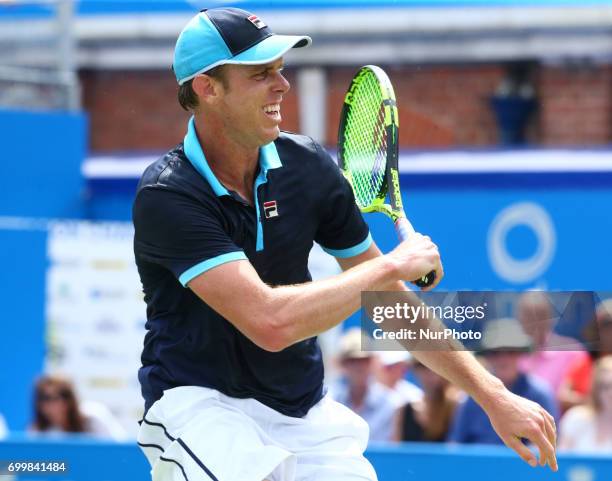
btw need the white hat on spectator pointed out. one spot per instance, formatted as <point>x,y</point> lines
<point>388,358</point>
<point>505,334</point>
<point>354,345</point>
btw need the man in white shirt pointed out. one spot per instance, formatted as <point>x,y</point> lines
<point>392,370</point>
<point>359,390</point>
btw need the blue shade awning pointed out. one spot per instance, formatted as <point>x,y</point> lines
<point>117,6</point>
<point>452,169</point>
<point>41,8</point>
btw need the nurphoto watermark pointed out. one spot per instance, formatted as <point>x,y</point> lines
<point>487,320</point>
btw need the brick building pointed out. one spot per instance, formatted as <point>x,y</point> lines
<point>446,65</point>
<point>442,105</point>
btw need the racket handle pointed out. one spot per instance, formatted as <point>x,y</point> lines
<point>404,230</point>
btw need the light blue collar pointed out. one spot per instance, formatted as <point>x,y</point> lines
<point>268,159</point>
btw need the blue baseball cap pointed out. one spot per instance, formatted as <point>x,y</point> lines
<point>220,36</point>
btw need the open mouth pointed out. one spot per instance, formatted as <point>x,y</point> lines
<point>272,111</point>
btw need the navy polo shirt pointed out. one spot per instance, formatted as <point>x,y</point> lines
<point>186,222</point>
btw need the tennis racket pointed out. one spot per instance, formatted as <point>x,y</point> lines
<point>368,150</point>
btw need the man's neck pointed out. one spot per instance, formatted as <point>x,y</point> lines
<point>233,163</point>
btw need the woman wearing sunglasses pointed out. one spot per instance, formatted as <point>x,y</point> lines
<point>57,411</point>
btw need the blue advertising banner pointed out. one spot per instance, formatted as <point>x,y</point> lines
<point>514,219</point>
<point>513,239</point>
<point>42,152</point>
<point>87,459</point>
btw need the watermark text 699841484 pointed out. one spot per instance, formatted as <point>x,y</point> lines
<point>32,467</point>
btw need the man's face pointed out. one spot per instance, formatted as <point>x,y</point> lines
<point>392,373</point>
<point>536,318</point>
<point>505,365</point>
<point>357,371</point>
<point>605,337</point>
<point>604,324</point>
<point>250,102</point>
<point>430,381</point>
<point>604,391</point>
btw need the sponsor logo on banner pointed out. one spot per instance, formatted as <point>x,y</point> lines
<point>94,311</point>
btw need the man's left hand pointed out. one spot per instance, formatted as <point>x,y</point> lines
<point>515,418</point>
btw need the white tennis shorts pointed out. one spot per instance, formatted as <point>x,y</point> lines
<point>198,434</point>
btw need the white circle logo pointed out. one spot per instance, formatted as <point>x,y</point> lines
<point>535,218</point>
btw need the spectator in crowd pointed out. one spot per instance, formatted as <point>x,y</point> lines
<point>57,410</point>
<point>392,369</point>
<point>576,386</point>
<point>428,418</point>
<point>503,343</point>
<point>552,354</point>
<point>359,390</point>
<point>588,428</point>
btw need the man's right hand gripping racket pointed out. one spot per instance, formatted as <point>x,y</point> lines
<point>368,150</point>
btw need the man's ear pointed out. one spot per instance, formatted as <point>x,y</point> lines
<point>206,87</point>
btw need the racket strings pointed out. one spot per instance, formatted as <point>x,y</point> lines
<point>365,146</point>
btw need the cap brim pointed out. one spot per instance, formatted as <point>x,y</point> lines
<point>270,49</point>
<point>266,51</point>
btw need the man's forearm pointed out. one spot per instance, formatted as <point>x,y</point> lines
<point>450,360</point>
<point>277,317</point>
<point>513,418</point>
<point>463,370</point>
<point>306,310</point>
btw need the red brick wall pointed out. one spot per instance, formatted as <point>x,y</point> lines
<point>439,106</point>
<point>575,105</point>
<point>134,110</point>
<point>138,110</point>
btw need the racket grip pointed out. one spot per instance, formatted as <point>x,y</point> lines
<point>404,230</point>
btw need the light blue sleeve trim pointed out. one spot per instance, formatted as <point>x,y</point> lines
<point>202,267</point>
<point>351,251</point>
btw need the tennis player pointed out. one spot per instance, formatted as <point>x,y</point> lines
<point>231,372</point>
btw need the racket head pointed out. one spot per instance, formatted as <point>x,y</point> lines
<point>368,141</point>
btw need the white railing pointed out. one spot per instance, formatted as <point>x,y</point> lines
<point>38,66</point>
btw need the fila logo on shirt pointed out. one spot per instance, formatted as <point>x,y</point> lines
<point>270,209</point>
<point>255,20</point>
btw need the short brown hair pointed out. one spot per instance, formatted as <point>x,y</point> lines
<point>186,95</point>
